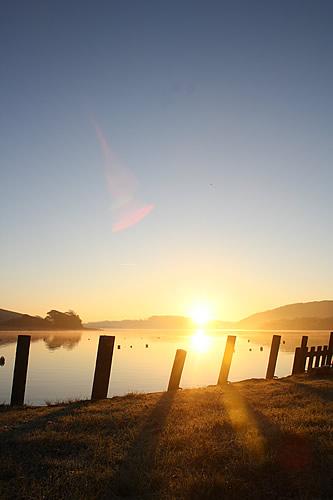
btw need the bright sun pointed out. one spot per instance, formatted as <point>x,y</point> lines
<point>201,314</point>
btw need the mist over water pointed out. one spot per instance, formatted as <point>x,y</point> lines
<point>61,364</point>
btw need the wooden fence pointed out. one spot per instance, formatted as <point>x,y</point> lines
<point>320,356</point>
<point>317,356</point>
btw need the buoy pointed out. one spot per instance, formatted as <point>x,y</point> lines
<point>146,346</point>
<point>248,340</point>
<point>250,349</point>
<point>261,348</point>
<point>131,346</point>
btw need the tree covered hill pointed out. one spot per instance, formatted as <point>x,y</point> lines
<point>54,320</point>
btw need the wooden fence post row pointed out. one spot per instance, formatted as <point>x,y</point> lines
<point>20,370</point>
<point>317,357</point>
<point>177,370</point>
<point>103,367</point>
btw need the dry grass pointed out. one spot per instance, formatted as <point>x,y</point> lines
<point>254,439</point>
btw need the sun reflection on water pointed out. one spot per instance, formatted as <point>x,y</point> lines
<point>200,342</point>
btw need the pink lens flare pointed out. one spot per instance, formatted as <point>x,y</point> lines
<point>132,218</point>
<point>123,186</point>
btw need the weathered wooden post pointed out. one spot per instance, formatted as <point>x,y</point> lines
<point>295,369</point>
<point>300,357</point>
<point>304,342</point>
<point>177,370</point>
<point>325,355</point>
<point>103,367</point>
<point>227,358</point>
<point>299,360</point>
<point>330,350</point>
<point>273,356</point>
<point>20,370</point>
<point>318,356</point>
<point>311,356</point>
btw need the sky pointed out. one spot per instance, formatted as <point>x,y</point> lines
<point>157,155</point>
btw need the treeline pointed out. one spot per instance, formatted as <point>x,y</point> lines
<point>54,320</point>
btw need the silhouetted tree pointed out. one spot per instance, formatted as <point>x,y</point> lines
<point>68,320</point>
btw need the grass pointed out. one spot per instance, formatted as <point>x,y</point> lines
<point>252,439</point>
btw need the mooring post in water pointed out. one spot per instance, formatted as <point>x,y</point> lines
<point>273,356</point>
<point>227,358</point>
<point>177,370</point>
<point>103,367</point>
<point>20,370</point>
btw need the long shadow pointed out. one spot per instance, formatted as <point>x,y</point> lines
<point>293,460</point>
<point>134,476</point>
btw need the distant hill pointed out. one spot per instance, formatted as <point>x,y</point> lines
<point>301,316</point>
<point>307,316</point>
<point>54,320</point>
<point>8,315</point>
<point>152,322</point>
<point>171,322</point>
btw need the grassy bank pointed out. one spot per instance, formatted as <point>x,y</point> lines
<point>253,439</point>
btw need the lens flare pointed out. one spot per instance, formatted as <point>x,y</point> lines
<point>127,210</point>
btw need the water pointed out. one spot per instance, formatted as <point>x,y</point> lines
<point>61,364</point>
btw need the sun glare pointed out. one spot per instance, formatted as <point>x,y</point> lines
<point>200,315</point>
<point>200,342</point>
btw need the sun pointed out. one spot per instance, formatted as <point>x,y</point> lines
<point>201,314</point>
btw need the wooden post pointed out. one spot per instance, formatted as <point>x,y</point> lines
<point>318,356</point>
<point>20,370</point>
<point>304,342</point>
<point>273,356</point>
<point>302,361</point>
<point>103,367</point>
<point>295,369</point>
<point>299,360</point>
<point>311,356</point>
<point>330,350</point>
<point>177,370</point>
<point>325,355</point>
<point>227,358</point>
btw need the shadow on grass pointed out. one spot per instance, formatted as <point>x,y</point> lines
<point>135,473</point>
<point>291,458</point>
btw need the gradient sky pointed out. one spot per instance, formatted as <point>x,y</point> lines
<point>218,114</point>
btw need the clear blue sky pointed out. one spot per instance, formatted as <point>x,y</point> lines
<point>221,111</point>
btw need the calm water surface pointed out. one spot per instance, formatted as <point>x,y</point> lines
<point>61,364</point>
